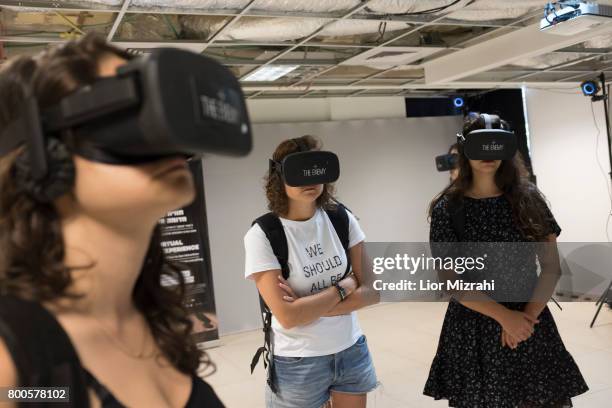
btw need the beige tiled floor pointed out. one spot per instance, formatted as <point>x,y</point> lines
<point>403,338</point>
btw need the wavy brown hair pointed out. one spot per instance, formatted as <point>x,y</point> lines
<point>32,255</point>
<point>512,178</point>
<point>278,202</point>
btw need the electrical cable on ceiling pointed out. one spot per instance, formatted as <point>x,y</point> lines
<point>437,9</point>
<point>425,12</point>
<point>171,26</point>
<point>382,28</point>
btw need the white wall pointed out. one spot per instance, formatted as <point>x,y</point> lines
<point>387,178</point>
<point>563,149</point>
<point>388,175</point>
<point>323,109</point>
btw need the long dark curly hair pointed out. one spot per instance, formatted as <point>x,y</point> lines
<point>512,178</point>
<point>278,202</point>
<point>32,246</point>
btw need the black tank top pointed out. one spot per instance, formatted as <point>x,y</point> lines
<point>44,356</point>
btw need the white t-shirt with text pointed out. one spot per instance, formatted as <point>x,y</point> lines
<point>316,261</point>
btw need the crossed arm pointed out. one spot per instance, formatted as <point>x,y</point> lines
<point>291,311</point>
<point>364,295</point>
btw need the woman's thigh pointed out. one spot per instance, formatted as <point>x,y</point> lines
<point>342,400</point>
<point>355,373</point>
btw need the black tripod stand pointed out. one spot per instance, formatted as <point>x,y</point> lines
<point>603,299</point>
<point>607,295</point>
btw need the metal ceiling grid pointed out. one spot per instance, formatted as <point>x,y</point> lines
<point>319,74</point>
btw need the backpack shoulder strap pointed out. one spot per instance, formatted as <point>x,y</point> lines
<point>340,220</point>
<point>273,228</point>
<point>41,350</point>
<point>456,210</point>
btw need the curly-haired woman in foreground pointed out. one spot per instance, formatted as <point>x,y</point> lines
<point>82,272</point>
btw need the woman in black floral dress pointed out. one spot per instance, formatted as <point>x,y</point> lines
<point>490,354</point>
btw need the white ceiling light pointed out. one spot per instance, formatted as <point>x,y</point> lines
<point>269,73</point>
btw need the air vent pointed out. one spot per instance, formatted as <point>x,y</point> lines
<point>387,57</point>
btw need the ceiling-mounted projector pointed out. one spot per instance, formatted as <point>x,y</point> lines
<point>574,17</point>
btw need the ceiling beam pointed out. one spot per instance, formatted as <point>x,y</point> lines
<point>523,43</point>
<point>556,67</point>
<point>42,6</point>
<point>593,73</point>
<point>305,94</point>
<point>229,24</point>
<point>249,43</point>
<point>195,46</point>
<point>359,92</point>
<point>580,50</point>
<point>30,40</point>
<point>118,20</point>
<point>255,95</point>
<point>313,76</point>
<point>407,85</point>
<point>303,62</point>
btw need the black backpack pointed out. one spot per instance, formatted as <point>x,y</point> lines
<point>273,228</point>
<point>41,350</point>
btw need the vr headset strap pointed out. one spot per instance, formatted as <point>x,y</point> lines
<point>27,128</point>
<point>488,121</point>
<point>301,145</point>
<point>106,97</point>
<point>52,362</point>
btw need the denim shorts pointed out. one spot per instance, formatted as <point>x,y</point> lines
<point>306,382</point>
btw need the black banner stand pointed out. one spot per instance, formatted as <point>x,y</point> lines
<point>185,241</point>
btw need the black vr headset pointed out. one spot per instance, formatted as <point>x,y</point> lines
<point>305,168</point>
<point>169,103</point>
<point>447,162</point>
<point>488,143</point>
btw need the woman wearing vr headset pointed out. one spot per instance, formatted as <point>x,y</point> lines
<point>81,304</point>
<point>499,354</point>
<point>319,354</point>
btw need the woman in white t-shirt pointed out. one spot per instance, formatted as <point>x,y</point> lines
<point>320,352</point>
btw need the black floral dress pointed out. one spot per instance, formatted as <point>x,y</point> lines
<point>470,368</point>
